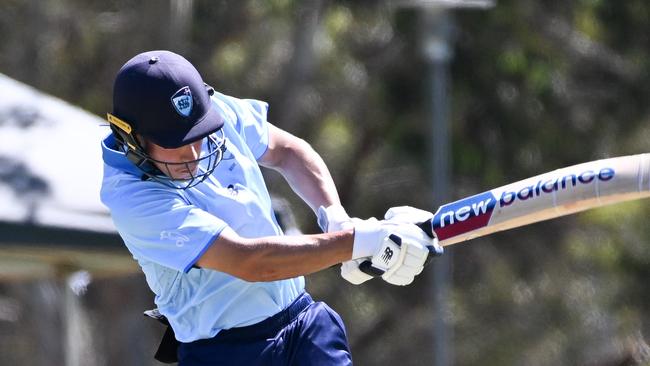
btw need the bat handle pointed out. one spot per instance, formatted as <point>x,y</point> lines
<point>427,227</point>
<point>367,268</point>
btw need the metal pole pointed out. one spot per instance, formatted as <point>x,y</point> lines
<point>437,29</point>
<point>77,328</point>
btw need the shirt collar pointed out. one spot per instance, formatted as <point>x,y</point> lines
<point>117,159</point>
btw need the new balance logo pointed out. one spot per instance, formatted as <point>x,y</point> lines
<point>387,256</point>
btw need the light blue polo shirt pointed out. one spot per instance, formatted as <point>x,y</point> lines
<point>168,229</point>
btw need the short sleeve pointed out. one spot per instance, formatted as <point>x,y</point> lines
<point>255,127</point>
<point>161,227</point>
<point>250,119</point>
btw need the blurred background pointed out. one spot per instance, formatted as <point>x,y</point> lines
<point>409,102</point>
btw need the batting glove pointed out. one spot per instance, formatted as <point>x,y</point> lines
<point>333,218</point>
<point>407,214</point>
<point>399,250</point>
<point>404,251</point>
<point>421,218</point>
<point>394,249</point>
<point>415,248</point>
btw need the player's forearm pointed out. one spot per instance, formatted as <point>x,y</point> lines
<point>302,167</point>
<point>277,257</point>
<point>309,177</point>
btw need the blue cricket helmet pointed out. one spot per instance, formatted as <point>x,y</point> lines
<point>160,97</point>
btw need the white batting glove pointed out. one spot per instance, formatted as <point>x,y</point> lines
<point>400,250</point>
<point>389,249</point>
<point>416,247</point>
<point>407,214</point>
<point>421,218</point>
<point>334,218</point>
<point>351,272</point>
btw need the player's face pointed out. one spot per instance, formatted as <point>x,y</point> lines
<point>178,163</point>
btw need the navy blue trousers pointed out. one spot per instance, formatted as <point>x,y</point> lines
<point>305,333</point>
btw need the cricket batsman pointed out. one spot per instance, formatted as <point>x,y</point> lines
<point>183,184</point>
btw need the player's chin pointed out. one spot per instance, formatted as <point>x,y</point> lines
<point>185,174</point>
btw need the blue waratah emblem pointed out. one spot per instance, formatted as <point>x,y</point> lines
<point>182,101</point>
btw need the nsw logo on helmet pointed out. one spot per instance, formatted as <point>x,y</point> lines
<point>182,101</point>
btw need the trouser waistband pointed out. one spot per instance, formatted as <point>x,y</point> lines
<point>267,327</point>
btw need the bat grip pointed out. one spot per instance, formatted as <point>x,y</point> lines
<point>367,268</point>
<point>427,227</point>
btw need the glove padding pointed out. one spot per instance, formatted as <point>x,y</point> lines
<point>407,265</point>
<point>397,260</point>
<point>351,272</point>
<point>402,254</point>
<point>421,218</point>
<point>408,214</point>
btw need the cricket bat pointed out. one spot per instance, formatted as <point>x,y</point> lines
<point>560,192</point>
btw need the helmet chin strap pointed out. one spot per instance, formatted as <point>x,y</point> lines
<point>134,151</point>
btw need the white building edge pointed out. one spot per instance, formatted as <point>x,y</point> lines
<point>50,161</point>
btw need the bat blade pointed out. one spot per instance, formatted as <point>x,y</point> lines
<point>560,192</point>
